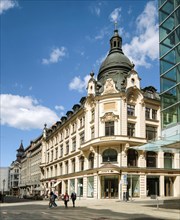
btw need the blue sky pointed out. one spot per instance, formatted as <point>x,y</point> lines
<point>48,49</point>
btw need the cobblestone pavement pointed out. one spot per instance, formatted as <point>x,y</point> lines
<point>91,209</point>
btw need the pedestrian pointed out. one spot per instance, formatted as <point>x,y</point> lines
<point>66,199</point>
<point>73,197</point>
<point>52,200</point>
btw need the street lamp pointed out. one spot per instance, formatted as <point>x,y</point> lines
<point>3,185</point>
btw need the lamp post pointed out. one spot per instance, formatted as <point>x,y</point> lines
<point>3,185</point>
<point>2,198</point>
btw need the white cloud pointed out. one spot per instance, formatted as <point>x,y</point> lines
<point>25,112</point>
<point>144,45</point>
<point>7,4</point>
<point>59,107</point>
<point>79,84</point>
<point>55,56</point>
<point>103,32</point>
<point>97,11</point>
<point>96,8</point>
<point>115,15</point>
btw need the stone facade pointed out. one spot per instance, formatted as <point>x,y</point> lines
<point>92,151</point>
<point>30,169</point>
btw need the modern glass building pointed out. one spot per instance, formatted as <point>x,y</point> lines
<point>169,37</point>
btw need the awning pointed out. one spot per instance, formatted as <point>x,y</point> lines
<point>57,183</point>
<point>164,145</point>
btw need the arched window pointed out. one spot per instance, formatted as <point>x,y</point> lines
<point>81,163</point>
<point>91,160</point>
<point>168,159</point>
<point>110,155</point>
<point>132,157</point>
<point>151,159</point>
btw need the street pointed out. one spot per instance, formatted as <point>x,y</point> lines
<point>89,209</point>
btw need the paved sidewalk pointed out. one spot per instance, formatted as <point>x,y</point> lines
<point>93,209</point>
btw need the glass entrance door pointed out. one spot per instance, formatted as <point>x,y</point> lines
<point>109,187</point>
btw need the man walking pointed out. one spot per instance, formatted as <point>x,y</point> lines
<point>73,197</point>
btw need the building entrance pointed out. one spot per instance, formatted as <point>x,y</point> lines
<point>109,187</point>
<point>152,185</point>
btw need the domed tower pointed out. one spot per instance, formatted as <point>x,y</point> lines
<point>116,65</point>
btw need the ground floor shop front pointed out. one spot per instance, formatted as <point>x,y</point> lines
<point>114,185</point>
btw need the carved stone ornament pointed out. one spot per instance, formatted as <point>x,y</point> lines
<point>109,87</point>
<point>109,116</point>
<point>91,101</point>
<point>91,149</point>
<point>126,148</point>
<point>132,97</point>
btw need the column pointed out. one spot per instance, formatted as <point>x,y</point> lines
<point>143,186</point>
<point>161,184</point>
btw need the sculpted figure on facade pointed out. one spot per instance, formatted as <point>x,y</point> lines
<point>109,87</point>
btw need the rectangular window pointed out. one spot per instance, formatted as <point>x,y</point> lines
<point>74,127</point>
<point>61,150</point>
<point>73,166</point>
<point>90,188</point>
<point>82,138</point>
<point>154,114</point>
<point>51,171</point>
<point>61,169</point>
<point>47,172</point>
<point>56,152</point>
<point>48,157</point>
<point>66,165</point>
<point>82,121</point>
<point>72,186</point>
<point>73,144</point>
<point>148,110</point>
<point>55,170</point>
<point>67,132</point>
<point>151,132</point>
<point>109,128</point>
<point>52,155</point>
<point>131,129</point>
<point>131,110</point>
<point>67,147</point>
<point>61,137</point>
<point>92,132</point>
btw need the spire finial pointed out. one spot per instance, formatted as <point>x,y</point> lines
<point>92,73</point>
<point>115,25</point>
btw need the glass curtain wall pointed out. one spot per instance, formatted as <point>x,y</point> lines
<point>169,36</point>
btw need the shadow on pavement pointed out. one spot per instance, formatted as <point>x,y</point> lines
<point>11,199</point>
<point>38,212</point>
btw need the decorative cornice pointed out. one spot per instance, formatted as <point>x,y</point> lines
<point>109,116</point>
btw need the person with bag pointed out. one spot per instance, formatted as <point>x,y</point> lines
<point>66,199</point>
<point>73,197</point>
<point>52,200</point>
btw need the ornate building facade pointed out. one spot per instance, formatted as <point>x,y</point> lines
<point>15,172</point>
<point>92,150</point>
<point>29,184</point>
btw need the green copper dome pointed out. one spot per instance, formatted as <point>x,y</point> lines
<point>116,64</point>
